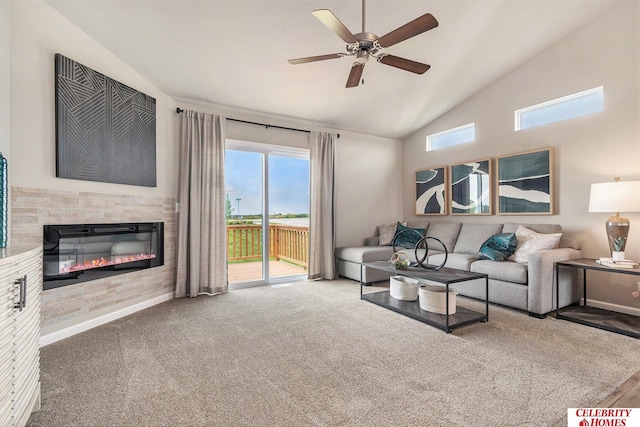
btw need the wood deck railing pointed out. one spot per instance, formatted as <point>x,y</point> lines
<point>288,243</point>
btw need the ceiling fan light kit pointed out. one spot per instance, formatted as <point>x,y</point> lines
<point>365,44</point>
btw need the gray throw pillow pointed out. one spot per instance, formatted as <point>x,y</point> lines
<point>385,234</point>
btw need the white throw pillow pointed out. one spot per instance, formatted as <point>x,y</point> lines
<point>386,234</point>
<point>530,242</point>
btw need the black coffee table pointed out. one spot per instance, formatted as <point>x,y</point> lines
<point>445,276</point>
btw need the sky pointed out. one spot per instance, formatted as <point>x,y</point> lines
<point>288,183</point>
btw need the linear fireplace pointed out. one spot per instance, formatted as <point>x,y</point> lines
<point>75,253</point>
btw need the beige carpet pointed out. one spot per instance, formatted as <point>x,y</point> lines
<point>314,354</point>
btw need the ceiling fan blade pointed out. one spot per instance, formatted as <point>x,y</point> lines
<point>418,26</point>
<point>404,64</point>
<point>355,74</point>
<point>329,19</point>
<point>316,58</point>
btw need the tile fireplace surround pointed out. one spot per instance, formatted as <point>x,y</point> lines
<point>31,208</point>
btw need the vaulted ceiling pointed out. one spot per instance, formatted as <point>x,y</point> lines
<point>234,53</point>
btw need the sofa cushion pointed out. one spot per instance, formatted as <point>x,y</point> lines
<point>458,261</point>
<point>511,227</point>
<point>506,271</point>
<point>417,224</point>
<point>565,242</point>
<point>407,237</point>
<point>530,242</point>
<point>472,236</point>
<point>386,234</point>
<point>446,232</point>
<point>364,253</point>
<point>498,247</point>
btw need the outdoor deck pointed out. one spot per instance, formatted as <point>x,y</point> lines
<point>288,251</point>
<point>250,271</point>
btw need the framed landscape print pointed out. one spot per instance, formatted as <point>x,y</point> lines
<point>431,191</point>
<point>471,188</point>
<point>525,183</point>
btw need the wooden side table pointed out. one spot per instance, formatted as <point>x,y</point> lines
<point>613,321</point>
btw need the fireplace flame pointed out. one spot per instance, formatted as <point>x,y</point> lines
<point>103,262</point>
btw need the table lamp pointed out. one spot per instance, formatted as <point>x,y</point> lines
<point>618,196</point>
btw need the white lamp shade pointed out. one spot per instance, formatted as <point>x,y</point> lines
<point>619,196</point>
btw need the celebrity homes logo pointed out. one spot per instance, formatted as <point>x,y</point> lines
<point>603,417</point>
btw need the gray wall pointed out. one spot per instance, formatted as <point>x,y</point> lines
<point>594,148</point>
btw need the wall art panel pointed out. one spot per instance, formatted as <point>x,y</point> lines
<point>525,183</point>
<point>105,130</point>
<point>431,191</point>
<point>471,188</point>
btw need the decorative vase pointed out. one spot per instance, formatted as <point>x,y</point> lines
<point>400,261</point>
<point>617,255</point>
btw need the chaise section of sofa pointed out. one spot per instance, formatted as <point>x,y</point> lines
<point>349,260</point>
<point>528,286</point>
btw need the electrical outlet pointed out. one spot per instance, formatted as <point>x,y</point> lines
<point>638,286</point>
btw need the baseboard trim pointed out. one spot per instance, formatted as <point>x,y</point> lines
<point>613,307</point>
<point>101,320</point>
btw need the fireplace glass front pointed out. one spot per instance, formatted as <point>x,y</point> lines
<point>78,253</point>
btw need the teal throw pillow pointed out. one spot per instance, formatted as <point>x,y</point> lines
<point>406,238</point>
<point>498,247</point>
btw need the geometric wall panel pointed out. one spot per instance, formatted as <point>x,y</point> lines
<point>105,130</point>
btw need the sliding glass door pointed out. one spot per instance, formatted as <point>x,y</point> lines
<point>267,213</point>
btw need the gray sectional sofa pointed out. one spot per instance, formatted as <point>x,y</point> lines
<point>527,286</point>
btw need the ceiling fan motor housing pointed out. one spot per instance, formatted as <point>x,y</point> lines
<point>366,42</point>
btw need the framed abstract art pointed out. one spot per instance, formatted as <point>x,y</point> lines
<point>525,183</point>
<point>471,188</point>
<point>431,191</point>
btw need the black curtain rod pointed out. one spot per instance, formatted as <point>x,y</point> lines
<point>180,110</point>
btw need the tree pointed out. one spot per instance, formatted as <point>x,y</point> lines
<point>229,208</point>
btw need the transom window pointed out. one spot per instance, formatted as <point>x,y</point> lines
<point>451,137</point>
<point>576,105</point>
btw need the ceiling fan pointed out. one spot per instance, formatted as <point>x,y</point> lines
<point>364,45</point>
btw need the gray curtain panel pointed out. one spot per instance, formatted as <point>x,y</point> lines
<point>202,239</point>
<point>322,221</point>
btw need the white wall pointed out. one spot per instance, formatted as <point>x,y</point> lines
<point>5,72</point>
<point>368,176</point>
<point>594,148</point>
<point>38,32</point>
<point>368,168</point>
<point>5,89</point>
<point>369,186</point>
